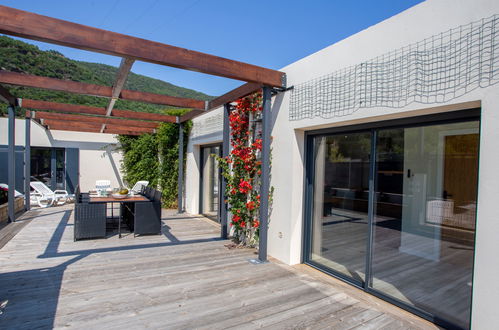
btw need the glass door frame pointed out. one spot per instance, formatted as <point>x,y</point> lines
<point>308,200</point>
<point>202,148</point>
<point>53,166</point>
<point>308,190</point>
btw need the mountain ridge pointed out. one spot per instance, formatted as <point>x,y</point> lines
<point>22,57</point>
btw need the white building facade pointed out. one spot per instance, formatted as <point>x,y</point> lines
<point>384,160</point>
<point>63,159</point>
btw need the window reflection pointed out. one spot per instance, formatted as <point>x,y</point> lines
<point>210,182</point>
<point>423,225</point>
<point>341,203</point>
<point>425,217</point>
<point>41,165</point>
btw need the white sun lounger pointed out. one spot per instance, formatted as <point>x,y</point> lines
<point>45,197</point>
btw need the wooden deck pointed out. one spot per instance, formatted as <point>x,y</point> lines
<point>183,279</point>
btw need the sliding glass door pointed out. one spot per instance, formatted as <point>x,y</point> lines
<point>400,224</point>
<point>210,182</point>
<point>424,227</point>
<point>58,168</point>
<point>340,204</point>
<point>41,165</point>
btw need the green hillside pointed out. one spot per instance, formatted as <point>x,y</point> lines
<point>18,56</point>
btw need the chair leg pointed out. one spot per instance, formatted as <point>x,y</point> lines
<point>63,198</point>
<point>40,204</point>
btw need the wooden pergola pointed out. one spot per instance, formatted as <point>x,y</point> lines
<point>59,116</point>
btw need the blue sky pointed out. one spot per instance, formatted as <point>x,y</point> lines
<point>272,34</point>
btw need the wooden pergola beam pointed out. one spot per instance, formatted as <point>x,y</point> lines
<point>234,94</point>
<point>47,29</point>
<point>191,114</point>
<point>84,109</point>
<point>93,127</point>
<point>121,76</point>
<point>6,97</point>
<point>69,124</point>
<point>26,80</point>
<point>97,120</point>
<point>63,107</point>
<point>143,115</point>
<point>119,83</point>
<point>114,129</point>
<point>231,96</point>
<point>146,97</point>
<point>62,127</point>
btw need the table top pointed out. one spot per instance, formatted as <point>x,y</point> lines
<point>110,199</point>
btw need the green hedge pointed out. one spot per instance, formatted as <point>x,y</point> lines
<point>154,157</point>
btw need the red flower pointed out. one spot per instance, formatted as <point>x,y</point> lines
<point>244,186</point>
<point>257,144</point>
<point>250,205</point>
<point>244,164</point>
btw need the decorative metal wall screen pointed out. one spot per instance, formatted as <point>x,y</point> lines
<point>435,70</point>
<point>207,125</point>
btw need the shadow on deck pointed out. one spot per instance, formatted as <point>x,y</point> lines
<point>185,278</point>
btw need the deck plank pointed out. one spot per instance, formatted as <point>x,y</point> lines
<point>183,279</point>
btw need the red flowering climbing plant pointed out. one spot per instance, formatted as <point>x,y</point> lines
<point>242,170</point>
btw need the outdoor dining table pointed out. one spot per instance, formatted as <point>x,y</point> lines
<point>110,199</point>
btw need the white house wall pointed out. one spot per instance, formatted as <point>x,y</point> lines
<point>413,25</point>
<point>206,129</point>
<point>98,158</point>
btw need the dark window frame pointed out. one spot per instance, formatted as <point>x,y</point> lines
<point>53,165</point>
<point>308,191</point>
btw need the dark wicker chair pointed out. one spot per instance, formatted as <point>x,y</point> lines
<point>128,214</point>
<point>147,219</point>
<point>89,219</point>
<point>157,196</point>
<point>148,192</point>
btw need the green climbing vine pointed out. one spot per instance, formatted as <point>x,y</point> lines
<point>154,157</point>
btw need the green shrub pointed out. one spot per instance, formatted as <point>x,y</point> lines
<point>154,157</point>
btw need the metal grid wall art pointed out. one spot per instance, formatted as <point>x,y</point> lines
<point>435,70</point>
<point>207,125</point>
